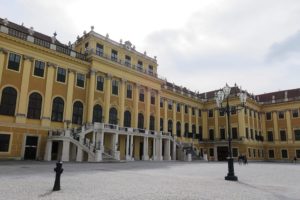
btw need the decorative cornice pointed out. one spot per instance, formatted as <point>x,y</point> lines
<point>71,71</point>
<point>3,50</point>
<point>47,118</point>
<point>108,76</point>
<point>49,64</point>
<point>25,57</point>
<point>93,71</point>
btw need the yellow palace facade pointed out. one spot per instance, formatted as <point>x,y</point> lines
<point>99,99</point>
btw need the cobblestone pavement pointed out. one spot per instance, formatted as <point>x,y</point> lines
<point>149,180</point>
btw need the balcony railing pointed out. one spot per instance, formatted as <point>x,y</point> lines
<point>43,43</point>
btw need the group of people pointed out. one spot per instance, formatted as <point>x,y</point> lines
<point>242,159</point>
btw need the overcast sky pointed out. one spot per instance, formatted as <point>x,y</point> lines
<point>199,44</point>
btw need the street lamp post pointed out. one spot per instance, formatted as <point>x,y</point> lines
<point>220,97</point>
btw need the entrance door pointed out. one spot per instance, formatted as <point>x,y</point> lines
<point>31,147</point>
<point>141,150</point>
<point>222,153</point>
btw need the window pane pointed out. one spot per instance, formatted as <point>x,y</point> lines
<point>39,68</point>
<point>61,75</point>
<point>4,142</point>
<point>14,61</point>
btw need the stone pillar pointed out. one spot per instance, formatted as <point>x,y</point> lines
<point>65,151</point>
<point>69,103</point>
<point>127,148</point>
<point>289,126</point>
<point>2,63</point>
<point>122,102</point>
<point>264,129</point>
<point>147,110</point>
<point>23,101</point>
<point>131,147</point>
<point>248,122</point>
<point>159,149</point>
<point>107,93</point>
<point>215,153</point>
<point>174,119</point>
<point>46,117</point>
<point>91,95</point>
<point>167,155</point>
<point>145,150</point>
<point>197,120</point>
<point>174,149</point>
<point>79,154</point>
<point>216,115</point>
<point>241,122</point>
<point>182,119</point>
<point>190,119</point>
<point>157,112</point>
<point>135,105</point>
<point>48,151</point>
<point>165,129</point>
<point>275,125</point>
<point>115,144</point>
<point>253,123</point>
<point>154,157</point>
<point>204,124</point>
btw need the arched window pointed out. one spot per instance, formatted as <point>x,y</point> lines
<point>170,126</point>
<point>57,109</point>
<point>97,113</point>
<point>77,113</point>
<point>178,129</point>
<point>152,122</point>
<point>127,119</point>
<point>34,106</point>
<point>186,129</point>
<point>113,116</point>
<point>8,101</point>
<point>161,124</point>
<point>141,121</point>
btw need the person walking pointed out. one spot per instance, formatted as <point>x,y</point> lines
<point>245,160</point>
<point>295,159</point>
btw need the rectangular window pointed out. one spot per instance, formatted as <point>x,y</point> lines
<point>128,61</point>
<point>295,113</point>
<point>161,103</point>
<point>39,68</point>
<point>254,114</point>
<point>297,134</point>
<point>270,136</point>
<point>61,75</point>
<point>14,62</point>
<point>114,55</point>
<point>254,153</point>
<point>211,152</point>
<point>141,97</point>
<point>211,134</point>
<point>271,153</point>
<point>221,113</point>
<point>140,65</point>
<point>152,99</point>
<point>186,110</point>
<point>4,142</point>
<point>178,107</point>
<point>250,113</point>
<point>245,111</point>
<point>269,116</point>
<point>211,113</point>
<point>199,113</point>
<point>222,133</point>
<point>129,91</point>
<point>100,83</point>
<point>251,134</point>
<point>150,69</point>
<point>115,87</point>
<point>284,153</point>
<point>193,111</point>
<point>281,115</point>
<point>247,133</point>
<point>170,103</point>
<point>298,153</point>
<point>80,80</point>
<point>235,152</point>
<point>258,153</point>
<point>233,110</point>
<point>99,49</point>
<point>282,135</point>
<point>234,133</point>
<point>249,152</point>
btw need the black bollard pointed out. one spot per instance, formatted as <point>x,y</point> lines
<point>58,170</point>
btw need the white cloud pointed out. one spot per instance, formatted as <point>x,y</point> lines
<point>200,44</point>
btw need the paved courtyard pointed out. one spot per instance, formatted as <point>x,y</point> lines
<point>149,180</point>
